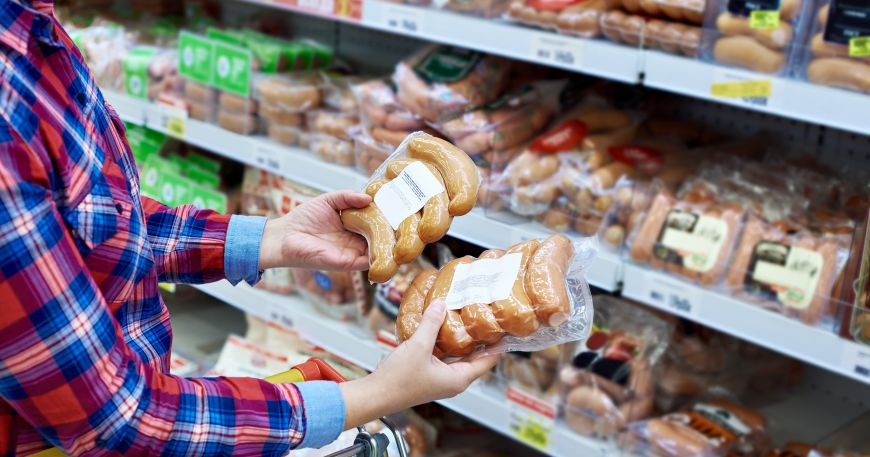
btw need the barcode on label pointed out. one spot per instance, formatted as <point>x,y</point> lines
<point>483,281</point>
<point>406,194</point>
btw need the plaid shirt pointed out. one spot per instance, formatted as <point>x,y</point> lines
<point>84,335</point>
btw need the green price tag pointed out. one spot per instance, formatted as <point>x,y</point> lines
<point>195,58</point>
<point>859,46</point>
<point>764,19</point>
<point>232,69</point>
<point>135,65</point>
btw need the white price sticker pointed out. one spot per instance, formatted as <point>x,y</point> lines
<point>407,194</point>
<point>269,158</point>
<point>406,20</point>
<point>317,6</point>
<point>746,88</point>
<point>558,50</point>
<point>530,419</point>
<point>670,295</point>
<point>856,360</point>
<point>171,120</point>
<point>483,281</point>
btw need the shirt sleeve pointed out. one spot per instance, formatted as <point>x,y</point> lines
<point>195,246</point>
<point>65,368</point>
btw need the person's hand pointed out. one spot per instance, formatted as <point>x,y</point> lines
<point>313,237</point>
<point>411,375</point>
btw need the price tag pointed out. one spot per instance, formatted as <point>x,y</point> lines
<point>558,50</point>
<point>171,120</point>
<point>671,295</point>
<point>318,6</point>
<point>530,419</point>
<point>856,360</point>
<point>747,88</point>
<point>859,46</point>
<point>404,20</point>
<point>169,287</point>
<point>764,19</point>
<point>269,158</point>
<point>278,316</point>
<point>386,339</point>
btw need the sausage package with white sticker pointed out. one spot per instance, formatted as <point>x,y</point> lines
<point>529,297</point>
<point>416,193</point>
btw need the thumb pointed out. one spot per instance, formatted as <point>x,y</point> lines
<point>345,199</point>
<point>433,317</point>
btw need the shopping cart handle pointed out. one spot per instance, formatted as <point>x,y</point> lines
<point>313,369</point>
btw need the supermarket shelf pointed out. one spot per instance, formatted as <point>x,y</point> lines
<point>749,322</point>
<point>301,166</point>
<point>483,403</point>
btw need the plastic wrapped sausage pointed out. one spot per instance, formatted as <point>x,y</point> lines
<point>531,296</point>
<point>826,57</point>
<point>579,18</point>
<point>421,186</point>
<point>341,295</point>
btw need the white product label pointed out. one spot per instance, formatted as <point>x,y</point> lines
<point>790,273</point>
<point>724,418</point>
<point>403,19</point>
<point>669,294</point>
<point>241,357</point>
<point>695,240</point>
<point>483,281</point>
<point>171,120</point>
<point>856,360</point>
<point>269,158</point>
<point>530,419</point>
<point>406,194</point>
<point>180,366</point>
<point>554,49</point>
<point>319,6</point>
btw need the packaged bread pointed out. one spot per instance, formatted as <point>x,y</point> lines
<point>827,58</point>
<point>337,92</point>
<point>528,297</point>
<point>573,17</point>
<point>440,81</point>
<point>422,185</point>
<point>333,123</point>
<point>609,381</point>
<point>331,149</point>
<point>287,134</point>
<point>200,93</point>
<point>339,294</point>
<point>293,92</point>
<point>241,123</point>
<point>757,35</point>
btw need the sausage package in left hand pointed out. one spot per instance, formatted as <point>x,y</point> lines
<point>529,297</point>
<point>416,193</point>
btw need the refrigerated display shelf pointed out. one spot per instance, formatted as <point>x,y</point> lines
<point>609,271</point>
<point>483,403</point>
<point>788,98</point>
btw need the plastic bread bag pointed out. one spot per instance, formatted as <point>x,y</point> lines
<point>580,140</point>
<point>333,123</point>
<point>825,57</point>
<point>338,294</point>
<point>787,268</point>
<point>440,81</point>
<point>417,192</point>
<point>715,428</point>
<point>579,18</point>
<point>756,35</point>
<point>238,122</point>
<point>379,108</point>
<point>609,381</point>
<point>509,121</point>
<point>388,296</point>
<point>483,8</point>
<point>529,297</point>
<point>689,11</point>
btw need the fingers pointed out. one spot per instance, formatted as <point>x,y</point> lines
<point>345,199</point>
<point>433,317</point>
<point>470,370</point>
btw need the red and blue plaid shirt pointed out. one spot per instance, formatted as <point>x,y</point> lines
<point>84,335</point>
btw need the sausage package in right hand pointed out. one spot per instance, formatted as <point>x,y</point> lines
<point>526,298</point>
<point>416,193</point>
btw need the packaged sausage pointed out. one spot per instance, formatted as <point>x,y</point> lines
<point>293,93</point>
<point>483,8</point>
<point>757,35</point>
<point>440,81</point>
<point>663,34</point>
<point>689,11</point>
<point>338,93</point>
<point>787,268</point>
<point>287,134</point>
<point>609,381</point>
<point>368,153</point>
<point>422,185</point>
<point>379,108</point>
<point>241,123</point>
<point>572,17</point>
<point>708,429</point>
<point>388,296</point>
<point>332,123</point>
<point>528,297</point>
<point>331,149</point>
<point>829,57</point>
<point>339,294</point>
<point>534,372</point>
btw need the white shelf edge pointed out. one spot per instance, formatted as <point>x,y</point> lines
<point>480,402</point>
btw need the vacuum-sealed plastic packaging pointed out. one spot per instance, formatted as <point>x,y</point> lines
<point>441,81</point>
<point>663,34</point>
<point>339,294</point>
<point>828,56</point>
<point>368,153</point>
<point>388,296</point>
<point>483,8</point>
<point>535,372</point>
<point>424,183</point>
<point>757,35</point>
<point>529,297</point>
<point>689,11</point>
<point>609,381</point>
<point>577,17</point>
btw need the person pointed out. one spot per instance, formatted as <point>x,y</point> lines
<point>84,336</point>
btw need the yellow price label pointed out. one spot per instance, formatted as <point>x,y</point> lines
<point>169,287</point>
<point>176,125</point>
<point>533,434</point>
<point>742,89</point>
<point>859,46</point>
<point>764,19</point>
